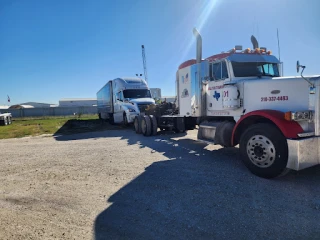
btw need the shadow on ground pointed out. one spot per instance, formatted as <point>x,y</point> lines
<point>74,126</point>
<point>206,194</point>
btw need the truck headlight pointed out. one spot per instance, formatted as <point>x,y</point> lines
<point>299,116</point>
<point>131,110</point>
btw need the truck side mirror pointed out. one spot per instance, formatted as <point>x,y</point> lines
<point>298,66</point>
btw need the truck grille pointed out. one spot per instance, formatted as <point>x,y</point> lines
<point>142,107</point>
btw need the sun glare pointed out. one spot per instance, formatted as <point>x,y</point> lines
<point>206,9</point>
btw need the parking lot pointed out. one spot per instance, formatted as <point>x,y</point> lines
<point>118,185</point>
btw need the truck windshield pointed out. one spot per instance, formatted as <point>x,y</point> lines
<point>250,69</point>
<point>136,93</point>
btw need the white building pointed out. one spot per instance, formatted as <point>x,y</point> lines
<point>36,104</point>
<point>77,102</point>
<point>4,106</point>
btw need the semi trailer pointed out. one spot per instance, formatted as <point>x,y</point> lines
<point>121,99</point>
<point>239,97</point>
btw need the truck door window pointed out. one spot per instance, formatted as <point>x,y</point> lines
<point>219,71</point>
<point>270,69</point>
<point>224,70</point>
<point>119,96</point>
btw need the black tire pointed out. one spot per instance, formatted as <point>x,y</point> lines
<point>99,115</point>
<point>264,150</point>
<point>146,125</point>
<point>154,125</point>
<point>5,121</point>
<point>9,120</point>
<point>137,124</point>
<point>111,119</point>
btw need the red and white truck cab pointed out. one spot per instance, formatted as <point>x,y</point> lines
<point>240,97</point>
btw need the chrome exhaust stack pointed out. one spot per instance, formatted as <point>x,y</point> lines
<point>199,44</point>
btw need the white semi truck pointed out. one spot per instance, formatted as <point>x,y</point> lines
<point>240,97</point>
<point>121,99</point>
<point>5,118</point>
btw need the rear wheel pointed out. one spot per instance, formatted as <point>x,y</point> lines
<point>137,124</point>
<point>264,150</point>
<point>5,121</point>
<point>146,125</point>
<point>154,125</point>
<point>99,114</point>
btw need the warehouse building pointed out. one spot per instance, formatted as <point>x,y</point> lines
<point>77,102</point>
<point>37,104</point>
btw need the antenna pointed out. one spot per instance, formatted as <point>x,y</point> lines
<point>278,45</point>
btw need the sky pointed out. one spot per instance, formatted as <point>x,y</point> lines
<point>53,49</point>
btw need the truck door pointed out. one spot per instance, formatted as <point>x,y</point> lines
<point>118,111</point>
<point>218,73</point>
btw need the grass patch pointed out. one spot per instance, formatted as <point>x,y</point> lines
<point>53,125</point>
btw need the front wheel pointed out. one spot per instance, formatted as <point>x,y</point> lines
<point>264,150</point>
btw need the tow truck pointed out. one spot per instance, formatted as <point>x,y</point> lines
<point>239,97</point>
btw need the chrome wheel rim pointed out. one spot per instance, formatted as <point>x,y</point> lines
<point>261,151</point>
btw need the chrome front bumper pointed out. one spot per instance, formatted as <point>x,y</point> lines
<point>303,153</point>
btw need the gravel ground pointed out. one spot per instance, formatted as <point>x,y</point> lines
<point>119,185</point>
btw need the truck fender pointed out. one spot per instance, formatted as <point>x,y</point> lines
<point>289,129</point>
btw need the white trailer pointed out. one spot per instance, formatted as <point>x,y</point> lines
<point>5,119</point>
<point>121,99</point>
<point>240,97</point>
